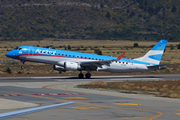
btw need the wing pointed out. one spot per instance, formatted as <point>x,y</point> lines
<point>95,64</point>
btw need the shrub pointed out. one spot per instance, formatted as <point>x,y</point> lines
<point>19,72</point>
<point>97,51</point>
<point>69,47</point>
<point>8,70</point>
<point>178,47</point>
<point>136,45</point>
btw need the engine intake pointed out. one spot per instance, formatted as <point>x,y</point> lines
<point>71,66</point>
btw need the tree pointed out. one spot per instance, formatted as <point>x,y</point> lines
<point>108,15</point>
<point>172,47</point>
<point>178,47</point>
<point>136,45</point>
<point>132,14</point>
<point>174,9</point>
<point>97,51</point>
<point>8,70</point>
<point>69,47</point>
<point>102,5</point>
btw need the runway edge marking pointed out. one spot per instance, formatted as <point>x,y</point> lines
<point>30,110</point>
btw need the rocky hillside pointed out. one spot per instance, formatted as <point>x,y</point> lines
<point>90,19</point>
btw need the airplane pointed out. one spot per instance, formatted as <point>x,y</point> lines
<point>63,60</point>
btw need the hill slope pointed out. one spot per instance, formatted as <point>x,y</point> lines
<point>90,19</point>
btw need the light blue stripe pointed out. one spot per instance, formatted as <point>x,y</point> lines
<point>156,57</point>
<point>25,111</point>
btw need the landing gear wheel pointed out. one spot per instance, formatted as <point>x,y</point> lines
<point>81,75</point>
<point>22,67</point>
<point>88,75</point>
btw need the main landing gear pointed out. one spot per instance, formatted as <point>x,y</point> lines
<point>81,75</point>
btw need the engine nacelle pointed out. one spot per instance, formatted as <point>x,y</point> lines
<point>59,68</point>
<point>71,66</point>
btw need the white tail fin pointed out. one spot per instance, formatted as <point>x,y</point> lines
<point>155,54</point>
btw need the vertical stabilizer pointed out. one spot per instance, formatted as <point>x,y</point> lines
<point>155,54</point>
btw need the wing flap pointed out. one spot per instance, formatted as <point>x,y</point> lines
<point>99,63</point>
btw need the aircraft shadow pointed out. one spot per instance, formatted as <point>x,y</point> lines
<point>110,77</point>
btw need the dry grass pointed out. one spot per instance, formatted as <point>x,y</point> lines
<point>168,88</point>
<point>76,43</point>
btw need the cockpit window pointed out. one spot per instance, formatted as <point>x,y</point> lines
<point>18,48</point>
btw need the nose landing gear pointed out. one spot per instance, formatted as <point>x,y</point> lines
<point>22,67</point>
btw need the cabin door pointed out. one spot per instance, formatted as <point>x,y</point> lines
<point>31,50</point>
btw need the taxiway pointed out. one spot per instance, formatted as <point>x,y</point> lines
<point>89,104</point>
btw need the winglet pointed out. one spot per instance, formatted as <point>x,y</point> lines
<point>120,56</point>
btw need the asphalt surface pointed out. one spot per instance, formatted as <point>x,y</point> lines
<point>89,104</point>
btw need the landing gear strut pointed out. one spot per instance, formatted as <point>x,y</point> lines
<point>22,67</point>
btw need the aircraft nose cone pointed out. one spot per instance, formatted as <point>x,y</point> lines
<point>8,54</point>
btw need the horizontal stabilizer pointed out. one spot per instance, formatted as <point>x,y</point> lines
<point>161,66</point>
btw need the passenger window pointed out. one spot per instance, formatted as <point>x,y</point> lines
<point>62,54</point>
<point>58,54</point>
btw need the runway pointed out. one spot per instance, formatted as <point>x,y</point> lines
<point>93,78</point>
<point>89,104</point>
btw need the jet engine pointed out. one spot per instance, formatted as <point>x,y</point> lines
<point>71,66</point>
<point>59,68</point>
